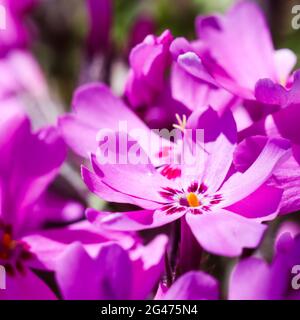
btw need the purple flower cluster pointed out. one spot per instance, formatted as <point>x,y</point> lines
<point>230,84</point>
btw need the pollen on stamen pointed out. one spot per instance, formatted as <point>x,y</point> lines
<point>181,122</point>
<point>192,200</point>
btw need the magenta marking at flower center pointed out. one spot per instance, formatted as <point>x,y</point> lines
<point>195,199</point>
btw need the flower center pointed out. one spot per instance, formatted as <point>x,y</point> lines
<point>195,199</point>
<point>192,200</point>
<point>13,253</point>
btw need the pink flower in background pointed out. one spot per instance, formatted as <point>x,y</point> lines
<point>238,50</point>
<point>92,263</point>
<point>272,281</point>
<point>148,63</point>
<point>196,159</point>
<point>107,265</point>
<point>156,95</point>
<point>29,163</point>
<point>270,92</point>
<point>94,107</point>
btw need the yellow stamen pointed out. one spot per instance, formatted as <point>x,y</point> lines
<point>181,122</point>
<point>192,199</point>
<point>282,81</point>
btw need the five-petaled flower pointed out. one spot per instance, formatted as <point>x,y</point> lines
<point>223,208</point>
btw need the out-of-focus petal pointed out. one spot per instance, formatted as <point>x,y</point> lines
<point>29,163</point>
<point>193,286</point>
<point>48,245</point>
<point>95,108</point>
<point>100,19</point>
<point>191,63</point>
<point>221,150</point>
<point>26,287</point>
<point>148,265</point>
<point>104,277</point>
<point>261,205</point>
<point>270,92</point>
<point>148,61</point>
<point>95,185</point>
<point>240,286</point>
<point>137,180</point>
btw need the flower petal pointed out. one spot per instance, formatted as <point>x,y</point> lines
<point>131,221</point>
<point>191,63</point>
<point>48,245</point>
<point>106,277</point>
<point>250,55</point>
<point>239,186</point>
<point>39,157</point>
<point>219,139</point>
<point>96,185</point>
<point>95,108</point>
<point>148,265</point>
<point>148,62</point>
<point>240,286</point>
<point>225,233</point>
<point>221,152</point>
<point>261,205</point>
<point>285,61</point>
